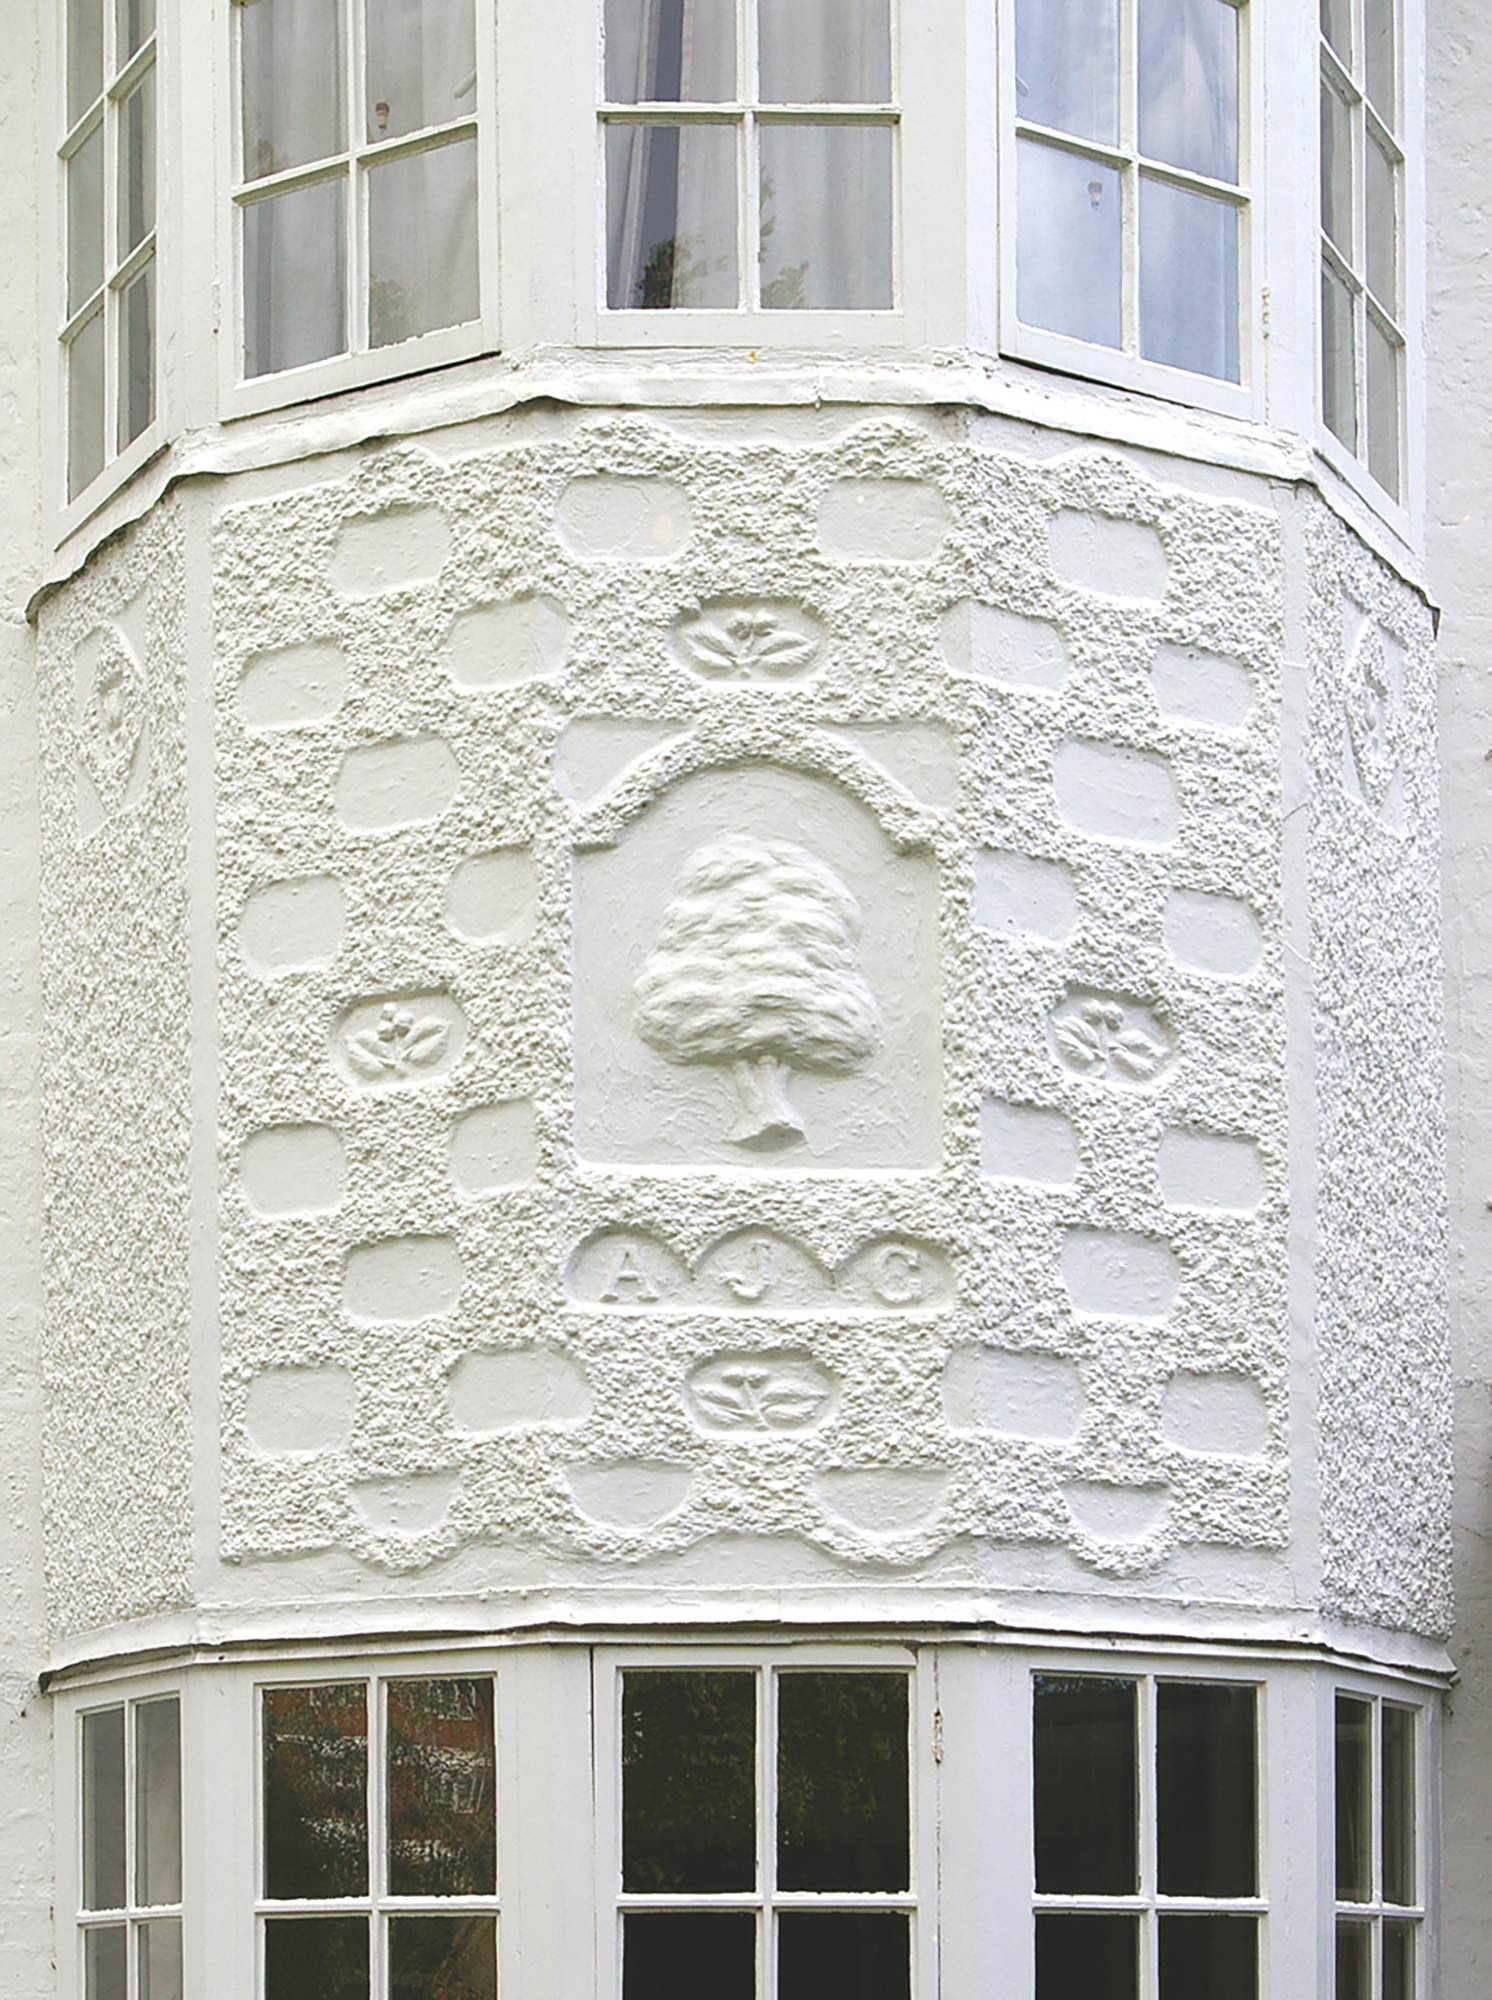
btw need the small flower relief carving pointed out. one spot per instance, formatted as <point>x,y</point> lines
<point>1371,707</point>
<point>760,1392</point>
<point>1110,1039</point>
<point>750,642</point>
<point>400,1045</point>
<point>113,721</point>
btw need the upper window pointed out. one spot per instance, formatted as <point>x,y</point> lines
<point>1379,1911</point>
<point>749,155</point>
<point>108,165</point>
<point>357,197</point>
<point>130,1906</point>
<point>1362,274</point>
<point>1130,209</point>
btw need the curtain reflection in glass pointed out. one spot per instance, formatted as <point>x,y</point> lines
<point>1067,66</point>
<point>160,1973</point>
<point>1188,280</point>
<point>421,65</point>
<point>158,1802</point>
<point>85,220</point>
<point>1383,407</point>
<point>1338,359</point>
<point>670,51</point>
<point>85,405</point>
<point>85,55</point>
<point>137,164</point>
<point>294,281</point>
<point>1069,235</point>
<point>1188,59</point>
<point>134,25</point>
<point>1336,167</point>
<point>103,1810</point>
<point>422,242</point>
<point>1381,59</point>
<point>1354,1961</point>
<point>671,216</point>
<point>291,66</point>
<point>1398,1805</point>
<point>825,51</point>
<point>1381,201</point>
<point>826,217</point>
<point>106,1963</point>
<point>1354,1797</point>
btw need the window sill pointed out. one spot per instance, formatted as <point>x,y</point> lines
<point>251,396</point>
<point>683,327</point>
<point>69,518</point>
<point>1125,371</point>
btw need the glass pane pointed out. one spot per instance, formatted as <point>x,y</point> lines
<point>443,1958</point>
<point>688,1781</point>
<point>671,216</point>
<point>442,1802</point>
<point>850,1955</point>
<point>1381,60</point>
<point>843,1816</point>
<point>1398,1960</point>
<point>1382,205</point>
<point>1188,280</point>
<point>1087,1958</point>
<point>103,1810</point>
<point>1383,408</point>
<point>1336,25</point>
<point>137,164</point>
<point>1398,1805</point>
<point>1067,66</point>
<point>316,1791</point>
<point>688,1952</point>
<point>160,1959</point>
<point>294,284</point>
<point>1205,1790</point>
<point>105,1963</point>
<point>826,217</point>
<point>158,1803</point>
<point>1336,168</point>
<point>134,25</point>
<point>670,51</point>
<point>1354,1961</point>
<point>1338,359</point>
<point>825,51</point>
<point>422,64</point>
<point>1354,1783</point>
<point>85,407</point>
<point>137,356</point>
<point>85,220</point>
<point>1213,1956</point>
<point>316,1958</point>
<point>291,67</point>
<point>1069,236</point>
<point>422,243</point>
<point>1189,85</point>
<point>1086,1786</point>
<point>85,55</point>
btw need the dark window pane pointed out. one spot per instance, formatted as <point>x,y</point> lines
<point>1398,1805</point>
<point>442,1789</point>
<point>1398,1960</point>
<point>442,1958</point>
<point>1205,1789</point>
<point>1086,1779</point>
<point>316,1958</point>
<point>688,1782</point>
<point>103,1810</point>
<point>158,1802</point>
<point>848,1955</point>
<point>1209,1958</point>
<point>1088,1958</point>
<point>1354,1800</point>
<point>1354,1961</point>
<point>316,1791</point>
<point>843,1820</point>
<point>687,1952</point>
<point>105,1954</point>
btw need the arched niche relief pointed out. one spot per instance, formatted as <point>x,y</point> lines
<point>757,978</point>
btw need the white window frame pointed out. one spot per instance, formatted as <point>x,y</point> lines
<point>1129,370</point>
<point>246,395</point>
<point>1375,1910</point>
<point>608,1666</point>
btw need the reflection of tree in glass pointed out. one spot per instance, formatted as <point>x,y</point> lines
<point>673,275</point>
<point>755,967</point>
<point>842,1781</point>
<point>316,1791</point>
<point>689,1782</point>
<point>391,315</point>
<point>788,291</point>
<point>442,1828</point>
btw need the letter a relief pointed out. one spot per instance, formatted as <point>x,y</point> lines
<point>630,1271</point>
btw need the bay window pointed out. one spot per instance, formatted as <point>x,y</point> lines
<point>1379,1910</point>
<point>129,1918</point>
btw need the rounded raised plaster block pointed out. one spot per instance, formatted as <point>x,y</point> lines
<point>1216,934</point>
<point>402,1279</point>
<point>292,926</point>
<point>1019,1142</point>
<point>636,520</point>
<point>1027,1395</point>
<point>396,550</point>
<point>1113,793</point>
<point>492,898</point>
<point>1193,686</point>
<point>496,1146</point>
<point>292,685</point>
<point>503,645</point>
<point>891,520</point>
<point>300,1410</point>
<point>1018,896</point>
<point>1113,1274</point>
<point>633,1494</point>
<point>1114,558</point>
<point>1005,647</point>
<point>1219,1412</point>
<point>389,785</point>
<point>293,1170</point>
<point>491,1393</point>
<point>1206,1170</point>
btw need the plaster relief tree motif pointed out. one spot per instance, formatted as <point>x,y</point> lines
<point>400,1045</point>
<point>1370,708</point>
<point>1110,1039</point>
<point>760,1392</point>
<point>113,721</point>
<point>755,970</point>
<point>750,642</point>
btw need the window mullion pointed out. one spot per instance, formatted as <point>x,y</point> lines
<point>378,1879</point>
<point>1129,178</point>
<point>1145,1805</point>
<point>358,253</point>
<point>767,1822</point>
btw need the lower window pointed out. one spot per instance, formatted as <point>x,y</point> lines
<point>130,1916</point>
<point>1379,1914</point>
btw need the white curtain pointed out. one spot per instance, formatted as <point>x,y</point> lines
<point>421,65</point>
<point>291,56</point>
<point>825,51</point>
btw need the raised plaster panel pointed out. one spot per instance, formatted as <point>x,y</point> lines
<point>761,1394</point>
<point>502,645</point>
<point>689,929</point>
<point>408,1506</point>
<point>885,1500</point>
<point>1216,934</point>
<point>496,1146</point>
<point>1017,896</point>
<point>634,1494</point>
<point>403,783</point>
<point>746,640</point>
<point>294,1410</point>
<point>1215,1413</point>
<point>1113,793</point>
<point>113,725</point>
<point>402,1038</point>
<point>1007,648</point>
<point>1020,1142</point>
<point>293,1170</point>
<point>1113,557</point>
<point>920,757</point>
<point>629,520</point>
<point>395,550</point>
<point>291,926</point>
<point>493,898</point>
<point>402,1279</point>
<point>595,750</point>
<point>1110,1038</point>
<point>491,1393</point>
<point>1206,1170</point>
<point>1373,712</point>
<point>892,520</point>
<point>289,685</point>
<point>759,1271</point>
<point>1193,686</point>
<point>1106,1513</point>
<point>1114,1274</point>
<point>1013,1394</point>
